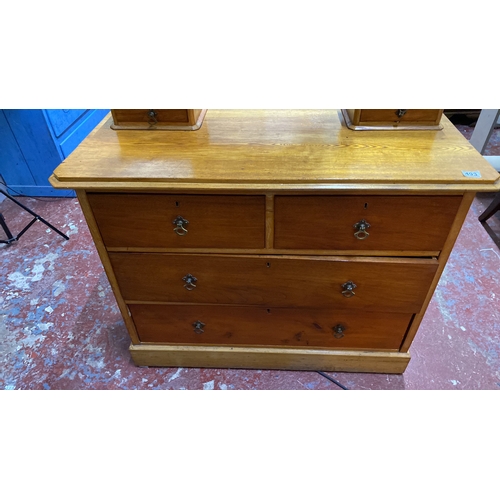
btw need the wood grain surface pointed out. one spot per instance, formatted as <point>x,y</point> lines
<point>275,148</point>
<point>122,116</point>
<point>416,116</point>
<point>418,223</point>
<point>269,358</point>
<point>383,284</point>
<point>213,221</point>
<point>257,326</point>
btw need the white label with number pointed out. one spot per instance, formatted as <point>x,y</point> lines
<point>474,174</point>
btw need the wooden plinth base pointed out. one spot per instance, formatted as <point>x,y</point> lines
<point>269,358</point>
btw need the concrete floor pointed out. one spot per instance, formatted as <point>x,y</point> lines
<point>60,327</point>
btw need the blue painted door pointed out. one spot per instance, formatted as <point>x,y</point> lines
<point>33,142</point>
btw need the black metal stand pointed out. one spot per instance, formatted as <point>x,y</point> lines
<point>10,238</point>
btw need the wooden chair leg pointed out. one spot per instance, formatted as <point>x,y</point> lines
<point>492,208</point>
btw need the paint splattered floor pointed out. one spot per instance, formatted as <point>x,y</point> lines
<point>60,327</point>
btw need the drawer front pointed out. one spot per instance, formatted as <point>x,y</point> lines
<point>396,223</point>
<point>398,285</point>
<point>417,116</point>
<point>62,119</point>
<point>156,220</point>
<point>123,116</point>
<point>259,326</point>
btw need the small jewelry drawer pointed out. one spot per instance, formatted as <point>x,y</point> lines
<point>179,221</point>
<point>391,223</point>
<point>376,284</point>
<point>359,119</point>
<point>261,326</point>
<point>150,119</point>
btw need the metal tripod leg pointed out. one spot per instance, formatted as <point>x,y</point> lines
<point>10,238</point>
<point>35,215</point>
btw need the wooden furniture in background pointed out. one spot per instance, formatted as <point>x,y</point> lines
<point>157,119</point>
<point>275,239</point>
<point>488,120</point>
<point>393,119</point>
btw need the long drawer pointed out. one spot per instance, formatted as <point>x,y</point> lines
<point>397,223</point>
<point>179,221</point>
<point>260,326</point>
<point>378,284</point>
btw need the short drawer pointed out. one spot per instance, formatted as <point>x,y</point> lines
<point>391,223</point>
<point>403,116</point>
<point>377,284</point>
<point>259,326</point>
<point>150,119</point>
<point>359,119</point>
<point>123,116</point>
<point>184,221</point>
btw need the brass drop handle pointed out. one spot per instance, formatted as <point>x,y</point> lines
<point>338,331</point>
<point>361,229</point>
<point>190,282</point>
<point>348,289</point>
<point>401,112</point>
<point>198,326</point>
<point>179,228</point>
<point>152,120</point>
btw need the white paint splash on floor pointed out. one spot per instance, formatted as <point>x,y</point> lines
<point>73,229</point>
<point>175,375</point>
<point>208,386</point>
<point>19,280</point>
<point>67,373</point>
<point>58,287</point>
<point>22,282</point>
<point>490,250</point>
<point>44,326</point>
<point>39,267</point>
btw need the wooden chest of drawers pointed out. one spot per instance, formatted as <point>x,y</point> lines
<point>274,239</point>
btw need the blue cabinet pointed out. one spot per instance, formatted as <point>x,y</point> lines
<point>33,142</point>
